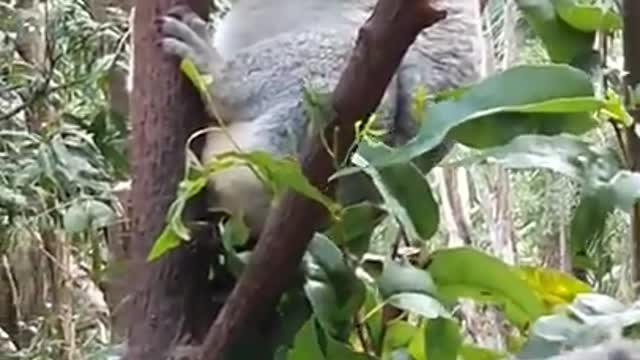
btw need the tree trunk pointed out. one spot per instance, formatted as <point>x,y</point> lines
<point>454,194</point>
<point>172,300</point>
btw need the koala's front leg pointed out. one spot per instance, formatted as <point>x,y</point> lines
<point>186,35</point>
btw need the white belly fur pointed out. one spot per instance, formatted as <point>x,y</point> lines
<point>237,189</point>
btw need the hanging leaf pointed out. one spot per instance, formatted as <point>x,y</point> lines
<point>354,227</point>
<point>468,273</point>
<point>564,43</point>
<point>402,277</point>
<point>405,190</point>
<point>335,293</point>
<point>443,339</point>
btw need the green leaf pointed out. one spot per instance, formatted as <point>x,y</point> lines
<point>294,311</point>
<point>563,154</point>
<point>587,227</point>
<point>553,286</point>
<point>499,108</point>
<point>419,304</point>
<point>166,242</point>
<point>186,190</point>
<point>596,304</point>
<point>85,214</point>
<point>278,174</point>
<point>399,354</point>
<point>100,214</point>
<point>312,343</point>
<point>405,190</point>
<point>354,227</point>
<point>472,352</point>
<point>373,320</point>
<point>417,346</point>
<point>399,334</point>
<point>402,277</point>
<point>563,42</point>
<point>589,320</point>
<point>306,345</point>
<point>466,272</point>
<point>10,198</point>
<point>443,339</point>
<point>603,312</point>
<point>548,335</point>
<point>75,218</point>
<point>200,82</point>
<point>588,18</point>
<point>318,107</point>
<point>335,292</point>
<point>615,109</point>
<point>235,233</point>
<point>408,288</point>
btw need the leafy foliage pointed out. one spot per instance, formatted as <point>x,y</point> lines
<point>61,149</point>
<point>536,126</point>
<point>528,117</point>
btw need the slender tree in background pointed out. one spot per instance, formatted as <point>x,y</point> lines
<point>171,304</point>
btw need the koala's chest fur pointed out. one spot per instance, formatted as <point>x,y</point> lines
<point>237,189</point>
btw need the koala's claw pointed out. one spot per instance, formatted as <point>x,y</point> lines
<point>185,34</point>
<point>191,19</point>
<point>179,10</point>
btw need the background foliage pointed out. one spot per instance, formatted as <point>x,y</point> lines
<point>548,197</point>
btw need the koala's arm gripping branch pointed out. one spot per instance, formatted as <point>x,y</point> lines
<point>382,42</point>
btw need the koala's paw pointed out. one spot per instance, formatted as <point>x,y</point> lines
<point>185,34</point>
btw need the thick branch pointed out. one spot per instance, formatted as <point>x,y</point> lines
<point>381,45</point>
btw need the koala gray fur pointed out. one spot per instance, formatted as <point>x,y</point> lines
<point>264,52</point>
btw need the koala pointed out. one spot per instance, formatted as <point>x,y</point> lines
<point>264,53</point>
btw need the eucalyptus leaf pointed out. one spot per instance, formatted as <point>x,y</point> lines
<point>465,272</point>
<point>499,108</point>
<point>333,289</point>
<point>405,190</point>
<point>564,42</point>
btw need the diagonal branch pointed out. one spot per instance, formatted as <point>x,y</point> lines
<point>382,42</point>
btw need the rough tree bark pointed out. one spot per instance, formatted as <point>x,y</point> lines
<point>631,11</point>
<point>382,42</point>
<point>172,303</point>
